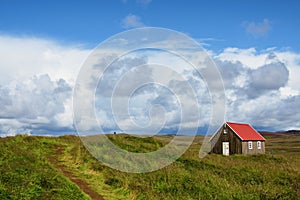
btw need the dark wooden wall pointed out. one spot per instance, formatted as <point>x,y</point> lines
<point>254,149</point>
<point>235,143</point>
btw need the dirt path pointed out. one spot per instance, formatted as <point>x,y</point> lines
<point>84,186</point>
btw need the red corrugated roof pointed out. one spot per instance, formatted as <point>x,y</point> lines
<point>245,131</point>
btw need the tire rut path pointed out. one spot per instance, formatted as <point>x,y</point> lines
<point>83,185</point>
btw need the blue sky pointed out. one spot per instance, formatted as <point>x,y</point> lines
<point>225,22</point>
<point>43,44</point>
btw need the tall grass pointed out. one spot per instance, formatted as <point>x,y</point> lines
<point>26,173</point>
<point>214,177</point>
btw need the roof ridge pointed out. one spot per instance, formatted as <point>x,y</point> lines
<point>238,123</point>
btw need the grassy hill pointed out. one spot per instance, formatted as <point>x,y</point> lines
<point>61,168</point>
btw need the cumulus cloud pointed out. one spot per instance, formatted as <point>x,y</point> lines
<point>259,88</point>
<point>36,81</point>
<point>34,104</point>
<point>22,58</point>
<point>132,21</point>
<point>253,82</point>
<point>257,30</point>
<point>269,77</point>
<point>153,93</point>
<point>271,112</point>
<point>118,73</point>
<point>37,78</point>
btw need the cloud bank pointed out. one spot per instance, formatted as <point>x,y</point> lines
<point>36,81</point>
<point>38,75</point>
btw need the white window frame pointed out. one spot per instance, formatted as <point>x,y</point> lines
<point>250,145</point>
<point>224,131</point>
<point>258,144</point>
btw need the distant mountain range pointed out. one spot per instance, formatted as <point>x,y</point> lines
<point>294,132</point>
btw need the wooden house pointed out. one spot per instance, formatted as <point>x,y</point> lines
<point>237,138</point>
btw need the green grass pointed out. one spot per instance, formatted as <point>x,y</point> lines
<point>136,144</point>
<point>26,173</point>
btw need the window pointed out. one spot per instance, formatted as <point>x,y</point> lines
<point>258,144</point>
<point>250,145</point>
<point>225,131</point>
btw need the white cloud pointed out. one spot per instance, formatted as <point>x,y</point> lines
<point>269,77</point>
<point>269,93</point>
<point>257,30</point>
<point>249,57</point>
<point>132,21</point>
<point>138,95</point>
<point>35,104</point>
<point>37,77</point>
<point>22,58</point>
<point>36,80</point>
<point>292,60</point>
<point>252,59</point>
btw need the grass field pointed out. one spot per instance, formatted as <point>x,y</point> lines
<point>28,172</point>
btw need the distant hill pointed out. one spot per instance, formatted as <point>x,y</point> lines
<point>293,132</point>
<point>280,133</point>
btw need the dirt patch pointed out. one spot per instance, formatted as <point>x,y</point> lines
<point>84,186</point>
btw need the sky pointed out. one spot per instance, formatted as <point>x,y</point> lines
<point>43,45</point>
